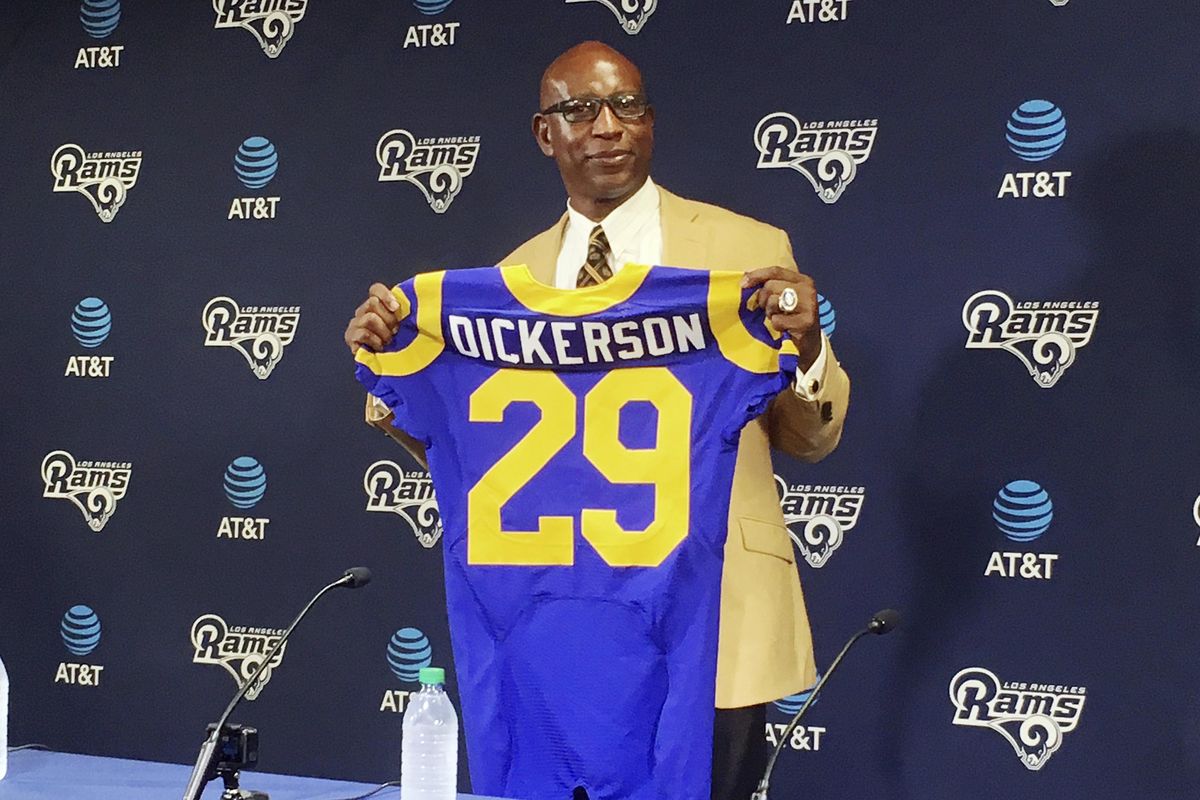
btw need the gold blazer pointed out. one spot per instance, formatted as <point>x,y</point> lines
<point>765,647</point>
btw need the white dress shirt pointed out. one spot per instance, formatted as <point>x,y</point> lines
<point>634,232</point>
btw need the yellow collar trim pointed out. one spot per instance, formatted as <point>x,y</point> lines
<point>537,296</point>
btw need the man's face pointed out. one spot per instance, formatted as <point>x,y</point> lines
<point>605,159</point>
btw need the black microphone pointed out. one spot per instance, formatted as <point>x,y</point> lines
<point>206,768</point>
<point>359,576</point>
<point>882,622</point>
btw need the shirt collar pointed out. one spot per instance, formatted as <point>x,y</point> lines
<point>624,222</point>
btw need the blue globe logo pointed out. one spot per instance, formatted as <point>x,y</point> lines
<point>1036,130</point>
<point>432,7</point>
<point>826,315</point>
<point>256,162</point>
<point>1022,511</point>
<point>794,702</point>
<point>100,17</point>
<point>407,652</point>
<point>91,322</point>
<point>245,482</point>
<point>80,630</point>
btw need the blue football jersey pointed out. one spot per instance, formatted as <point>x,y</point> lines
<point>581,444</point>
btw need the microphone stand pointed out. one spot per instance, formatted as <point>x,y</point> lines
<point>207,766</point>
<point>881,623</point>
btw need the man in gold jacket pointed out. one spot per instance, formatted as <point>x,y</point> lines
<point>597,124</point>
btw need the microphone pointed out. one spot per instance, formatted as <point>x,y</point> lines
<point>358,576</point>
<point>882,622</point>
<point>206,767</point>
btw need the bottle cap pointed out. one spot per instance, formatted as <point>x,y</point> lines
<point>433,676</point>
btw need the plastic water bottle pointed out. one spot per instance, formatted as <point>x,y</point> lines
<point>429,742</point>
<point>3,721</point>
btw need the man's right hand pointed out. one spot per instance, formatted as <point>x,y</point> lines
<point>375,321</point>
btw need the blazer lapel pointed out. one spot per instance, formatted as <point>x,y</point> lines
<point>685,242</point>
<point>543,256</point>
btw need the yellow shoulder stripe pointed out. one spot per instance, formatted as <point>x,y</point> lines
<point>401,298</point>
<point>429,343</point>
<point>736,343</point>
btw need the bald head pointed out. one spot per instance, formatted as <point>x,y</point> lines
<point>584,62</point>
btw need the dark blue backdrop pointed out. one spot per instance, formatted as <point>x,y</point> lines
<point>1090,630</point>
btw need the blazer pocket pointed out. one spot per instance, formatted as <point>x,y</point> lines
<point>767,538</point>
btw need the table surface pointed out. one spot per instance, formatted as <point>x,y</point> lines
<point>44,775</point>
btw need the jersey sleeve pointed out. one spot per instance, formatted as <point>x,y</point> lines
<point>762,361</point>
<point>399,375</point>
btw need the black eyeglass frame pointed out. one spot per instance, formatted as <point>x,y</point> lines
<point>582,103</point>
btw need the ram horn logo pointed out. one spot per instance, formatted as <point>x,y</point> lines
<point>1033,719</point>
<point>237,649</point>
<point>93,489</point>
<point>435,166</point>
<point>408,495</point>
<point>826,514</point>
<point>272,28</point>
<point>632,14</point>
<point>825,153</point>
<point>259,335</point>
<point>103,178</point>
<point>1045,335</point>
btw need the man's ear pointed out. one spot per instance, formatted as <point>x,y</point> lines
<point>541,133</point>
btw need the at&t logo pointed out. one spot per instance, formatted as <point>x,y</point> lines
<point>93,486</point>
<point>258,333</point>
<point>435,166</point>
<point>80,630</point>
<point>91,322</point>
<point>826,315</point>
<point>409,495</point>
<point>803,737</point>
<point>1032,717</point>
<point>255,165</point>
<point>818,11</point>
<point>272,22</point>
<point>431,34</point>
<point>238,649</point>
<point>1022,511</point>
<point>104,178</point>
<point>1036,131</point>
<point>408,652</point>
<point>826,153</point>
<point>1044,335</point>
<point>823,515</point>
<point>100,19</point>
<point>632,14</point>
<point>245,486</point>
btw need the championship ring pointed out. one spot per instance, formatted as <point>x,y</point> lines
<point>788,300</point>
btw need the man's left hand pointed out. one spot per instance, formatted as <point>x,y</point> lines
<point>801,323</point>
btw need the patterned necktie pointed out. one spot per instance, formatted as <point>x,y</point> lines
<point>595,270</point>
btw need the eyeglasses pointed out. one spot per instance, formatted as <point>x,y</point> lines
<point>585,109</point>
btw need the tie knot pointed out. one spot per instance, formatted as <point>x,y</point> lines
<point>596,269</point>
